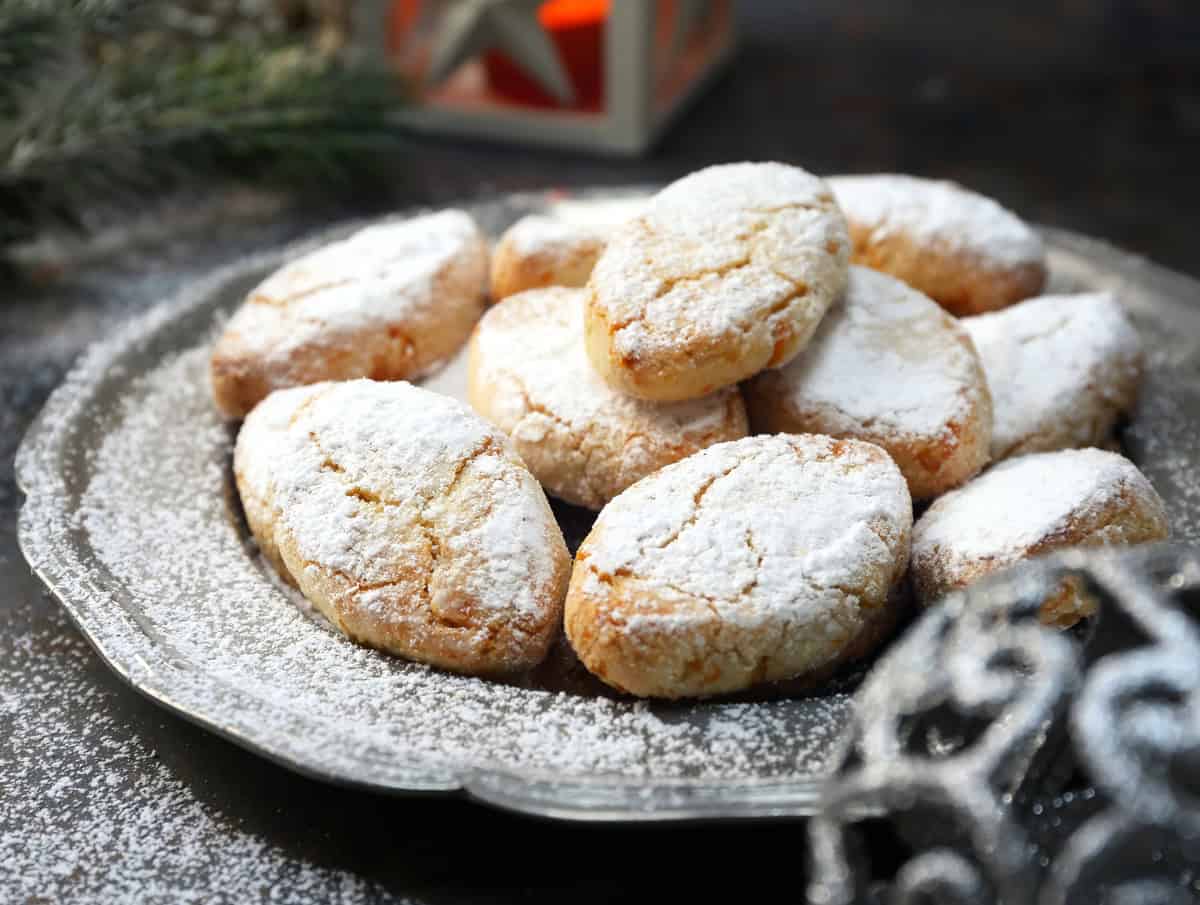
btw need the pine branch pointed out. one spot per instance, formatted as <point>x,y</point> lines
<point>166,111</point>
<point>29,42</point>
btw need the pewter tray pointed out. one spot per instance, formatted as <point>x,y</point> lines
<point>132,521</point>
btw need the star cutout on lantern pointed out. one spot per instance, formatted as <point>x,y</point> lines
<point>472,27</point>
<point>689,15</point>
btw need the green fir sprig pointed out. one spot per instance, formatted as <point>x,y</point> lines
<point>100,104</point>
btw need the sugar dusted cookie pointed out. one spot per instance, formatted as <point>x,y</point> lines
<point>539,251</point>
<point>612,209</point>
<point>389,303</point>
<point>1028,506</point>
<point>586,442</point>
<point>963,250</point>
<point>1062,370</point>
<point>889,366</point>
<point>408,521</point>
<point>762,559</point>
<point>262,438</point>
<point>728,272</point>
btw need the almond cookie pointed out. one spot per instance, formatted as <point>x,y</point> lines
<point>1032,505</point>
<point>529,375</point>
<point>390,303</point>
<point>1062,370</point>
<point>539,251</point>
<point>961,249</point>
<point>728,272</point>
<point>408,521</point>
<point>261,439</point>
<point>889,366</point>
<point>763,559</point>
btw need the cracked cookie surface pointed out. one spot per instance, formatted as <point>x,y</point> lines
<point>261,439</point>
<point>889,366</point>
<point>539,251</point>
<point>728,272</point>
<point>1062,370</point>
<point>1028,506</point>
<point>586,442</point>
<point>389,303</point>
<point>408,522</point>
<point>963,250</point>
<point>759,560</point>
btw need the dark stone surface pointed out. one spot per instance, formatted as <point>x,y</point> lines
<point>1083,115</point>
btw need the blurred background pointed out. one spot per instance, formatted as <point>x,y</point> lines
<point>1076,113</point>
<point>144,144</point>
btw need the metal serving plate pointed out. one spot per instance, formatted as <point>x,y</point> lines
<point>131,520</point>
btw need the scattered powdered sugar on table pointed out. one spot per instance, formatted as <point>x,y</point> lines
<point>161,517</point>
<point>97,838</point>
<point>940,212</point>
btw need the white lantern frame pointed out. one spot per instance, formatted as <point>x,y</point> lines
<point>633,118</point>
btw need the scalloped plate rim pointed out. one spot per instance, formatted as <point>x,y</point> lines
<point>604,799</point>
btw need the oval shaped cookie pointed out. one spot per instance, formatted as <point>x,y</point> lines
<point>1062,370</point>
<point>538,251</point>
<point>529,375</point>
<point>1028,506</point>
<point>888,366</point>
<point>261,440</point>
<point>960,248</point>
<point>758,560</point>
<point>390,303</point>
<point>728,272</point>
<point>408,521</point>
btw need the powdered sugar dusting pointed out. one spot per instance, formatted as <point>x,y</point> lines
<point>729,190</point>
<point>219,602</point>
<point>1022,501</point>
<point>104,818</point>
<point>597,213</point>
<point>726,253</point>
<point>262,439</point>
<point>771,530</point>
<point>361,480</point>
<point>375,266</point>
<point>938,212</point>
<point>160,484</point>
<point>530,361</point>
<point>382,275</point>
<point>886,356</point>
<point>544,345</point>
<point>541,235</point>
<point>1058,364</point>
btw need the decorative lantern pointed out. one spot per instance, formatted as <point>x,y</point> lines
<point>601,75</point>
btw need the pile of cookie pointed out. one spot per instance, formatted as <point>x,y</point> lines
<point>754,380</point>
